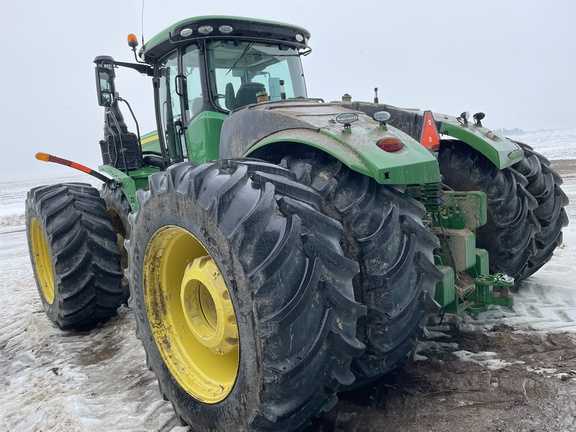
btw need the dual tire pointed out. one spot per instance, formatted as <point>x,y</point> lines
<point>526,206</point>
<point>242,296</point>
<point>384,234</point>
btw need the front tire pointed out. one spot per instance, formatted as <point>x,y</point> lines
<point>242,298</point>
<point>74,255</point>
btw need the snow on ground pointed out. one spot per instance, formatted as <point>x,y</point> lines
<point>554,144</point>
<point>97,381</point>
<point>57,381</point>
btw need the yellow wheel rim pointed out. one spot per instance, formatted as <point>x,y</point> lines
<point>191,314</point>
<point>42,262</point>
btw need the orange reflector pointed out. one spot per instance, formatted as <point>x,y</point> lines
<point>429,138</point>
<point>390,144</point>
<point>45,157</point>
<point>80,167</point>
<point>132,40</point>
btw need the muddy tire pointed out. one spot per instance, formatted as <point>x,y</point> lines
<point>525,207</point>
<point>383,232</point>
<point>118,208</point>
<point>74,255</point>
<point>544,185</point>
<point>243,299</point>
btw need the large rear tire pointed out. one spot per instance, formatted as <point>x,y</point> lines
<point>383,232</point>
<point>525,206</point>
<point>243,300</point>
<point>74,254</point>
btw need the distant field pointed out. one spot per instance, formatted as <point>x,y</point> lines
<point>557,144</point>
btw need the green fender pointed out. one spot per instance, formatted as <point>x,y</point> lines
<point>498,149</point>
<point>411,165</point>
<point>268,129</point>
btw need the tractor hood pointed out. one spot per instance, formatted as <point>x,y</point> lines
<point>278,126</point>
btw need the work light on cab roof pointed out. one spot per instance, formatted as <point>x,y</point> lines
<point>223,29</point>
<point>205,30</point>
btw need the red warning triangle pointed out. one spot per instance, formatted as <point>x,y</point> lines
<point>429,137</point>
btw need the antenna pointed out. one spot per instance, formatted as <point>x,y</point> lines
<point>142,24</point>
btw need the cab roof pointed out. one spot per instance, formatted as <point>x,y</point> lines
<point>223,27</point>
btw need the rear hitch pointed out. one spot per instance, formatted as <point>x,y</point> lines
<point>492,289</point>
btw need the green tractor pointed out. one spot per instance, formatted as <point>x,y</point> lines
<point>277,249</point>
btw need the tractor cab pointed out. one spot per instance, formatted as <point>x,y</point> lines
<point>202,81</point>
<point>203,68</point>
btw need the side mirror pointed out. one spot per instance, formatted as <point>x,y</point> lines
<point>105,81</point>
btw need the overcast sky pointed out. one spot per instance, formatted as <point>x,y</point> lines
<point>515,60</point>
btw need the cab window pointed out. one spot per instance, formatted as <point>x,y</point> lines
<point>170,111</point>
<point>191,73</point>
<point>240,70</point>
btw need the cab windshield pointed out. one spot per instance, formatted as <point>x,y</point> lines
<point>240,70</point>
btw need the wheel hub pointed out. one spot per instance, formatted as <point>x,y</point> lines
<point>207,305</point>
